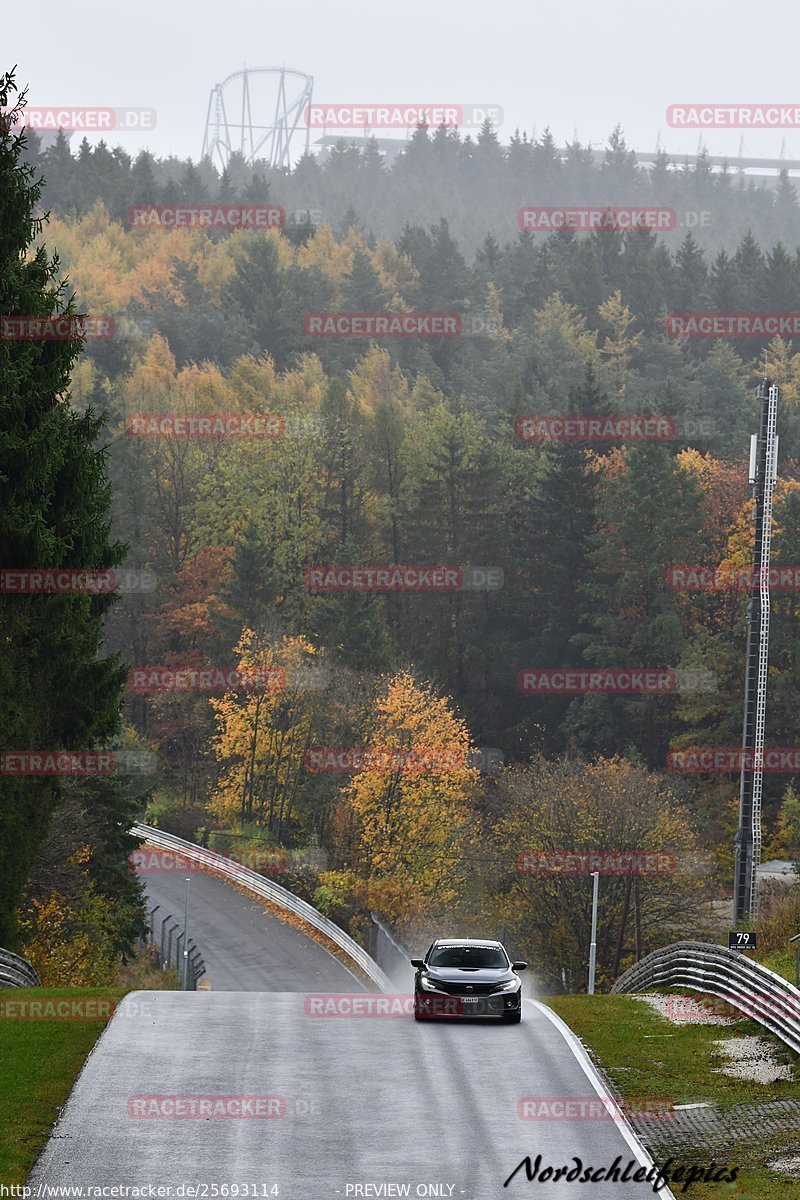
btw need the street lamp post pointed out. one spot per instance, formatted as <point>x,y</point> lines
<point>185,973</point>
<point>593,942</point>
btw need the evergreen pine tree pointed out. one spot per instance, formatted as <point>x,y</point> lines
<point>58,692</point>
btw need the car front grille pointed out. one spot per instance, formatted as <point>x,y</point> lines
<point>466,989</point>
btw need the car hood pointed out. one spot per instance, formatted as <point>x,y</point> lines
<point>479,975</point>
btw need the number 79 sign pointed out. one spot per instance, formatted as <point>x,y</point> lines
<point>742,940</point>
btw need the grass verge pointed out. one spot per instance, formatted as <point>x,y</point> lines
<point>42,1054</point>
<point>644,1055</point>
<point>40,1059</point>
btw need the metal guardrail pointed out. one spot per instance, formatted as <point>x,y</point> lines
<point>751,988</point>
<point>164,947</point>
<point>16,971</point>
<point>218,864</point>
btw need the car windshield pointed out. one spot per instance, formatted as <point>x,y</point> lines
<point>468,956</point>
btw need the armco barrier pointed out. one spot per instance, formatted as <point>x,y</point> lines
<point>16,972</point>
<point>218,864</point>
<point>754,990</point>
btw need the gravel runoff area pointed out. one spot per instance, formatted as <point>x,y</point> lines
<point>787,1166</point>
<point>685,1010</point>
<point>696,1129</point>
<point>752,1058</point>
<point>749,1057</point>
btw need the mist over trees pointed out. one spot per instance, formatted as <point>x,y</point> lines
<point>477,182</point>
<point>414,451</point>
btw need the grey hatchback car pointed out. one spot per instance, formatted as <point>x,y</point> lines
<point>467,977</point>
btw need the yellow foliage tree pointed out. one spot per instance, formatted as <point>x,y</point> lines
<point>263,733</point>
<point>72,945</point>
<point>620,343</point>
<point>412,802</point>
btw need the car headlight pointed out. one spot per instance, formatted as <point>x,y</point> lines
<point>510,986</point>
<point>427,984</point>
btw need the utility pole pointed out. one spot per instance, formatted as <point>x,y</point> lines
<point>763,470</point>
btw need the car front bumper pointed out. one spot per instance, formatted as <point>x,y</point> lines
<point>443,1004</point>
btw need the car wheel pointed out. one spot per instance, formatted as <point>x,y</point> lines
<point>419,1017</point>
<point>512,1018</point>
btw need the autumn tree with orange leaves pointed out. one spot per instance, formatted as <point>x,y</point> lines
<point>412,802</point>
<point>264,731</point>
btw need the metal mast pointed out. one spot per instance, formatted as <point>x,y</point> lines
<point>763,470</point>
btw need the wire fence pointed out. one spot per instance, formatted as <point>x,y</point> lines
<point>167,936</point>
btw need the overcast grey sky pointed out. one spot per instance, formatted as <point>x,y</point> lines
<point>575,65</point>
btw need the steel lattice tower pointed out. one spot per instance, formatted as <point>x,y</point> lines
<point>763,471</point>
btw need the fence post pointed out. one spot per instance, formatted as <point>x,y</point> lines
<point>168,958</point>
<point>168,917</point>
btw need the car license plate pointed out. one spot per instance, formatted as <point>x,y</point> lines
<point>470,999</point>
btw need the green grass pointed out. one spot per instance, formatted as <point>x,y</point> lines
<point>39,1063</point>
<point>644,1055</point>
<point>42,1056</point>
<point>783,963</point>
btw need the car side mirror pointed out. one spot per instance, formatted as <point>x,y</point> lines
<point>519,966</point>
<point>417,962</point>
